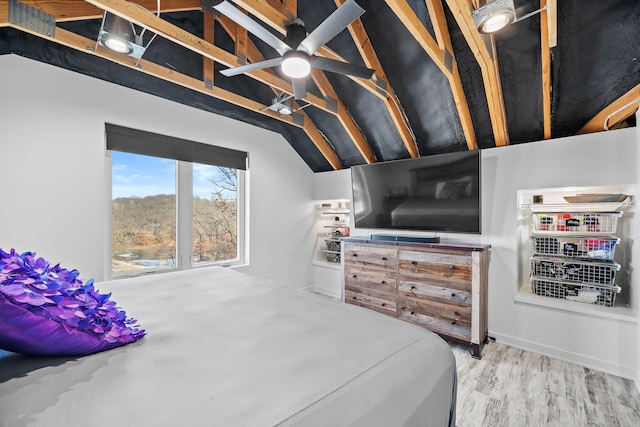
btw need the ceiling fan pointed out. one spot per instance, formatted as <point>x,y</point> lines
<point>297,49</point>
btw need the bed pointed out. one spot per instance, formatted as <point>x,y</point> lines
<point>227,349</point>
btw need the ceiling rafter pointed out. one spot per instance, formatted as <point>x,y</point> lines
<point>254,55</point>
<point>139,16</point>
<point>276,19</point>
<point>75,10</point>
<point>545,45</point>
<point>614,113</point>
<point>85,45</point>
<point>346,120</point>
<point>442,56</point>
<point>439,22</point>
<point>461,10</point>
<point>370,58</point>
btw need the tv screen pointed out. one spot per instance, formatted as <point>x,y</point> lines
<point>435,193</point>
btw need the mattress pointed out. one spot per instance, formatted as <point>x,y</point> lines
<point>227,349</point>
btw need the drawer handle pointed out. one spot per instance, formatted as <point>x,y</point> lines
<point>453,295</point>
<point>384,258</point>
<point>414,262</point>
<point>413,287</point>
<point>354,297</point>
<point>384,282</point>
<point>452,267</point>
<point>354,255</point>
<point>412,313</point>
<point>383,304</point>
<point>453,322</point>
<point>355,276</point>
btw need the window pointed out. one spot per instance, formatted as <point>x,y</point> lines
<point>169,211</point>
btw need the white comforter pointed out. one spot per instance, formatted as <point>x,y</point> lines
<point>227,349</point>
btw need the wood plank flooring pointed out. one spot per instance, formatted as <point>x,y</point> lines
<point>512,388</point>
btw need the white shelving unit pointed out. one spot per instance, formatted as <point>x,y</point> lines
<point>332,223</point>
<point>568,251</point>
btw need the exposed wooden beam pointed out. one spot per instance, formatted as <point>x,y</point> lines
<point>290,8</point>
<point>415,26</point>
<point>438,19</point>
<point>552,22</point>
<point>274,18</point>
<point>614,113</point>
<point>185,39</point>
<point>546,70</point>
<point>346,120</point>
<point>254,55</point>
<point>74,10</point>
<point>208,73</point>
<point>441,52</point>
<point>325,87</point>
<point>83,44</point>
<point>488,65</point>
<point>370,58</point>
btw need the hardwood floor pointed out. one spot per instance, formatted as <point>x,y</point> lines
<point>512,388</point>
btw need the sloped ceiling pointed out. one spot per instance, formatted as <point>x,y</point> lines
<point>439,85</point>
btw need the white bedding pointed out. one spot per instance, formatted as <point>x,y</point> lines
<point>227,349</point>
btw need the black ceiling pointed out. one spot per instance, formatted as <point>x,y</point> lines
<point>594,63</point>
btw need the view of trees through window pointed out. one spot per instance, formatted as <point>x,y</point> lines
<point>215,218</point>
<point>143,214</point>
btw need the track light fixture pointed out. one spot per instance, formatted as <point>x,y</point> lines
<point>494,16</point>
<point>497,15</point>
<point>282,104</point>
<point>119,35</point>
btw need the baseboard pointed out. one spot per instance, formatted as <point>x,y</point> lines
<point>327,292</point>
<point>588,362</point>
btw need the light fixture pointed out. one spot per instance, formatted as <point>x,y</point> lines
<point>282,104</point>
<point>494,16</point>
<point>296,64</point>
<point>119,35</point>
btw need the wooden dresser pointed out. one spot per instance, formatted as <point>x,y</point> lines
<point>441,287</point>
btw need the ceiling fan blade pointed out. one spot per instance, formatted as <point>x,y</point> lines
<point>252,26</point>
<point>251,67</point>
<point>299,88</point>
<point>340,67</point>
<point>332,26</point>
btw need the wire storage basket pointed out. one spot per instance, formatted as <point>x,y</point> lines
<point>589,247</point>
<point>576,222</point>
<point>575,271</point>
<point>590,294</point>
<point>332,251</point>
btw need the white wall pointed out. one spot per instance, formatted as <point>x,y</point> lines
<point>53,168</point>
<point>636,254</point>
<point>606,343</point>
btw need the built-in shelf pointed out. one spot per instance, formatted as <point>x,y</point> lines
<point>577,207</point>
<point>620,313</point>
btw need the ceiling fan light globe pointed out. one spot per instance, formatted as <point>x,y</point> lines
<point>296,66</point>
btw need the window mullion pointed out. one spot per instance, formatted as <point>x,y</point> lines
<point>184,213</point>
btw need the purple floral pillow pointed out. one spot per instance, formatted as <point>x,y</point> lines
<point>46,310</point>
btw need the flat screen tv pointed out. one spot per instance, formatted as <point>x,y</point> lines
<point>439,193</point>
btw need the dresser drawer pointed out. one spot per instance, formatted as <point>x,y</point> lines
<point>435,291</point>
<point>447,319</point>
<point>448,266</point>
<point>376,256</point>
<point>381,302</point>
<point>370,278</point>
